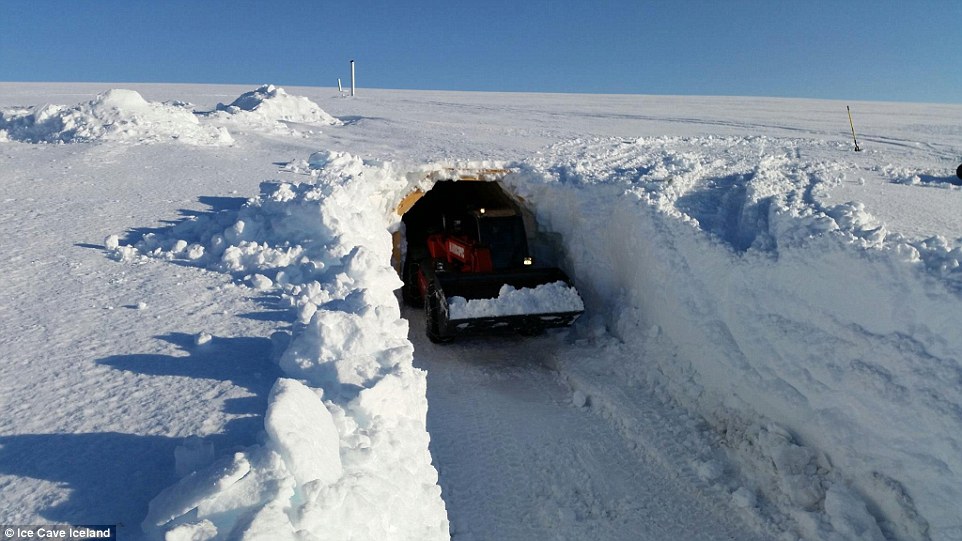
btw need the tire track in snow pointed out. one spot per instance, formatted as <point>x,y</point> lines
<point>518,460</point>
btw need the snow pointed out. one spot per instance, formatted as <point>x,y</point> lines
<point>114,115</point>
<point>204,340</point>
<point>124,115</point>
<point>554,297</point>
<point>519,461</point>
<point>271,106</point>
<point>303,433</point>
<point>368,438</point>
<point>809,315</point>
<point>194,454</point>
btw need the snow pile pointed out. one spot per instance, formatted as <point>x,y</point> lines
<point>115,115</point>
<point>346,451</point>
<point>272,106</point>
<point>544,299</point>
<point>815,341</point>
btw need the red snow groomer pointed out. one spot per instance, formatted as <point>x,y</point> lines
<point>458,271</point>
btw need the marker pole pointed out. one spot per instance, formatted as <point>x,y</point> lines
<point>852,124</point>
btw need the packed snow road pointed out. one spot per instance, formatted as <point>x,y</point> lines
<point>521,456</point>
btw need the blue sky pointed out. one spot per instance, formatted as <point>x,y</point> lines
<point>843,49</point>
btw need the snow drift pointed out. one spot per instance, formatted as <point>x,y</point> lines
<point>271,106</point>
<point>824,348</point>
<point>115,115</point>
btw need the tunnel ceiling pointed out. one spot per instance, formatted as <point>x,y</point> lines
<point>452,198</point>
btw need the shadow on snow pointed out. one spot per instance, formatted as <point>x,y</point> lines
<point>111,476</point>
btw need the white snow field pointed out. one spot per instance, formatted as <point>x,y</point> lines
<point>202,337</point>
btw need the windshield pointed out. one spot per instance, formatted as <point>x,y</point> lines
<point>505,237</point>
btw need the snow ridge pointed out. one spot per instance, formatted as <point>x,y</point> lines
<point>346,428</point>
<point>810,337</point>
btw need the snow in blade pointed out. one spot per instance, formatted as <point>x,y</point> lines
<point>511,301</point>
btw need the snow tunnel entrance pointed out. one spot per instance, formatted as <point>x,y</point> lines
<point>450,201</point>
<point>456,195</point>
<point>465,257</point>
<point>423,213</point>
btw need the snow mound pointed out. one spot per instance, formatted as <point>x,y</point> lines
<point>272,106</point>
<point>115,115</point>
<point>544,299</point>
<point>346,448</point>
<point>821,346</point>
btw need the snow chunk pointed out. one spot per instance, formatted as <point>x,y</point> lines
<point>543,299</point>
<point>194,489</point>
<point>228,494</point>
<point>343,162</point>
<point>202,338</point>
<point>201,531</point>
<point>303,432</point>
<point>259,281</point>
<point>338,348</point>
<point>849,516</point>
<point>112,242</point>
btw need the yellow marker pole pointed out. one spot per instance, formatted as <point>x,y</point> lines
<point>852,124</point>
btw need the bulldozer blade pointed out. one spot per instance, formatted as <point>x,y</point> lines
<point>487,286</point>
<point>526,324</point>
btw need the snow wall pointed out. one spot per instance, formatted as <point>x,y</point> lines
<point>824,350</point>
<point>345,453</point>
